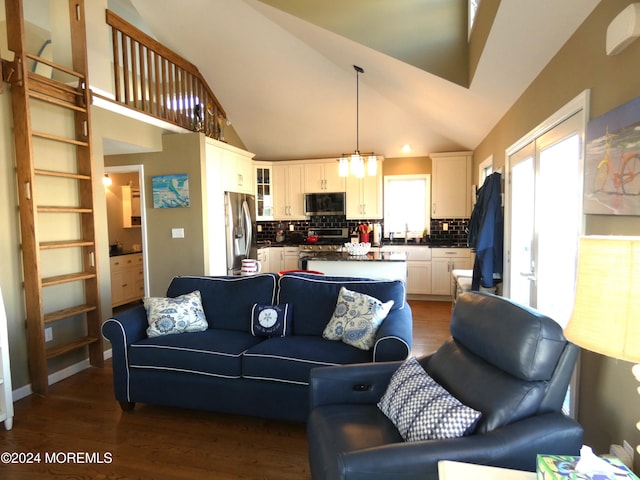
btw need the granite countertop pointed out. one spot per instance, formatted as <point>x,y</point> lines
<point>269,243</point>
<point>452,245</point>
<point>372,256</point>
<point>386,243</point>
<point>428,243</point>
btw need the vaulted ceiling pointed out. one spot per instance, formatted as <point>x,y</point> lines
<point>283,69</point>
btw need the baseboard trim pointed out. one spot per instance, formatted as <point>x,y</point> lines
<point>55,377</point>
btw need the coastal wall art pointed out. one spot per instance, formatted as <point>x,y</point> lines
<point>170,191</point>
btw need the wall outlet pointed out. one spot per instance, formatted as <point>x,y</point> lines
<point>48,334</point>
<point>259,227</point>
<point>291,227</point>
<point>445,227</point>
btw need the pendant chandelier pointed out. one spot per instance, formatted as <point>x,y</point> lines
<point>355,163</point>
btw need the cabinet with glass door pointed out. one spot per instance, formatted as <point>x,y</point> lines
<point>264,193</point>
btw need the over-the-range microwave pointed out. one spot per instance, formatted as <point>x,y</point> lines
<point>326,203</point>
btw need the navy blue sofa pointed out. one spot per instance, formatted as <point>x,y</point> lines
<point>226,368</point>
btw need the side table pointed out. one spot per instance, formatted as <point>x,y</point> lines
<point>449,470</point>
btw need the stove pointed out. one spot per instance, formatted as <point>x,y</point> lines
<point>318,247</point>
<point>329,239</point>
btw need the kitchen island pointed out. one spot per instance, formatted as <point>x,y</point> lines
<point>375,264</point>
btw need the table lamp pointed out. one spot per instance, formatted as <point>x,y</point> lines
<point>606,314</point>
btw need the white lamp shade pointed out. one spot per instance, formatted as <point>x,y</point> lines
<point>357,165</point>
<point>372,165</point>
<point>606,314</point>
<point>343,166</point>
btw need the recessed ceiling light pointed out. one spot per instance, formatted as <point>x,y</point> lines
<point>406,148</point>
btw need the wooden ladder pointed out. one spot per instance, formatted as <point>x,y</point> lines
<point>52,132</point>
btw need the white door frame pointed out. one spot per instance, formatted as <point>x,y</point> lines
<point>579,103</point>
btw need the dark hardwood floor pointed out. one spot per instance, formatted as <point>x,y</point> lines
<point>79,432</point>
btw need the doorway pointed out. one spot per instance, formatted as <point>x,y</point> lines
<point>126,215</point>
<point>544,219</point>
<point>544,214</point>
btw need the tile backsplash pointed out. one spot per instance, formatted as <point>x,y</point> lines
<point>269,229</point>
<point>456,233</point>
<point>301,227</point>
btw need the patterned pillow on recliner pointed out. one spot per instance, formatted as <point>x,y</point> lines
<point>421,409</point>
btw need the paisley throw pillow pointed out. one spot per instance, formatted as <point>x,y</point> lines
<point>356,319</point>
<point>181,314</point>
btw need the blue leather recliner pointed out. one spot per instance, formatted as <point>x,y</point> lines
<point>510,362</point>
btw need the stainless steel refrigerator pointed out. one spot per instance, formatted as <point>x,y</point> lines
<point>240,222</point>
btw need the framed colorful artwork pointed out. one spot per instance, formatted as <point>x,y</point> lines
<point>612,162</point>
<point>170,191</point>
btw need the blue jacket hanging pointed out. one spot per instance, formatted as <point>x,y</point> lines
<point>486,231</point>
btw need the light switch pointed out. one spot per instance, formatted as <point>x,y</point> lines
<point>445,227</point>
<point>177,233</point>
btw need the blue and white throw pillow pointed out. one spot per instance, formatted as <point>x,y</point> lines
<point>421,409</point>
<point>271,320</point>
<point>181,314</point>
<point>356,319</point>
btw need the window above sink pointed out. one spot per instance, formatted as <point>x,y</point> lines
<point>406,206</point>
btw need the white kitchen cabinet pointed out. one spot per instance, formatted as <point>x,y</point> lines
<point>6,394</point>
<point>237,170</point>
<point>276,259</point>
<point>264,254</point>
<point>419,278</point>
<point>322,176</point>
<point>291,258</point>
<point>418,267</point>
<point>127,279</point>
<point>451,185</point>
<point>364,196</point>
<point>131,214</point>
<point>283,258</point>
<point>288,191</point>
<point>443,262</point>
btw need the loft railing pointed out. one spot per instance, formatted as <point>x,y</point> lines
<point>151,78</point>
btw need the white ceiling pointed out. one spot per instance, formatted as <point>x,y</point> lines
<point>289,87</point>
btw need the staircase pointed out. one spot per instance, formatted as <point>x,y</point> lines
<point>52,131</point>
